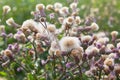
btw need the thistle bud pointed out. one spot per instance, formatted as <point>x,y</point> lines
<point>69,64</point>
<point>117,68</point>
<point>31,52</point>
<point>8,53</point>
<point>39,48</point>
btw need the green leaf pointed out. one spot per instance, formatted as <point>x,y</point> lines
<point>30,76</point>
<point>2,73</point>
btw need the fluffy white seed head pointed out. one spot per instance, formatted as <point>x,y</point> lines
<point>39,7</point>
<point>54,47</point>
<point>70,20</point>
<point>57,5</point>
<point>51,28</point>
<point>61,19</point>
<point>89,73</point>
<point>86,38</point>
<point>64,11</point>
<point>6,9</point>
<point>118,45</point>
<point>94,26</point>
<point>7,52</point>
<point>73,31</point>
<point>77,20</point>
<point>112,55</point>
<point>10,21</point>
<point>114,33</point>
<point>109,47</point>
<point>69,43</point>
<point>2,28</point>
<point>49,7</point>
<point>30,24</point>
<point>103,41</point>
<point>100,34</point>
<point>109,62</point>
<point>73,6</point>
<point>91,49</point>
<point>34,26</point>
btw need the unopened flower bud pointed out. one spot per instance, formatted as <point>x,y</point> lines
<point>31,52</point>
<point>39,48</point>
<point>43,62</point>
<point>58,53</point>
<point>8,53</point>
<point>69,64</point>
<point>117,68</point>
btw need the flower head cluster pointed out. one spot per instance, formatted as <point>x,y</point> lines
<point>50,45</point>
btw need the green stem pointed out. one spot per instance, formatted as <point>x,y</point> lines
<point>80,72</point>
<point>5,42</point>
<point>54,72</point>
<point>100,71</point>
<point>35,50</point>
<point>22,66</point>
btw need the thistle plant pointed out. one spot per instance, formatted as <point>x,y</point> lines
<point>56,44</point>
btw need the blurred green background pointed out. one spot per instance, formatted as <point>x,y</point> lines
<point>107,12</point>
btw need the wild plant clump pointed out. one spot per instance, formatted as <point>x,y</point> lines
<point>56,44</point>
